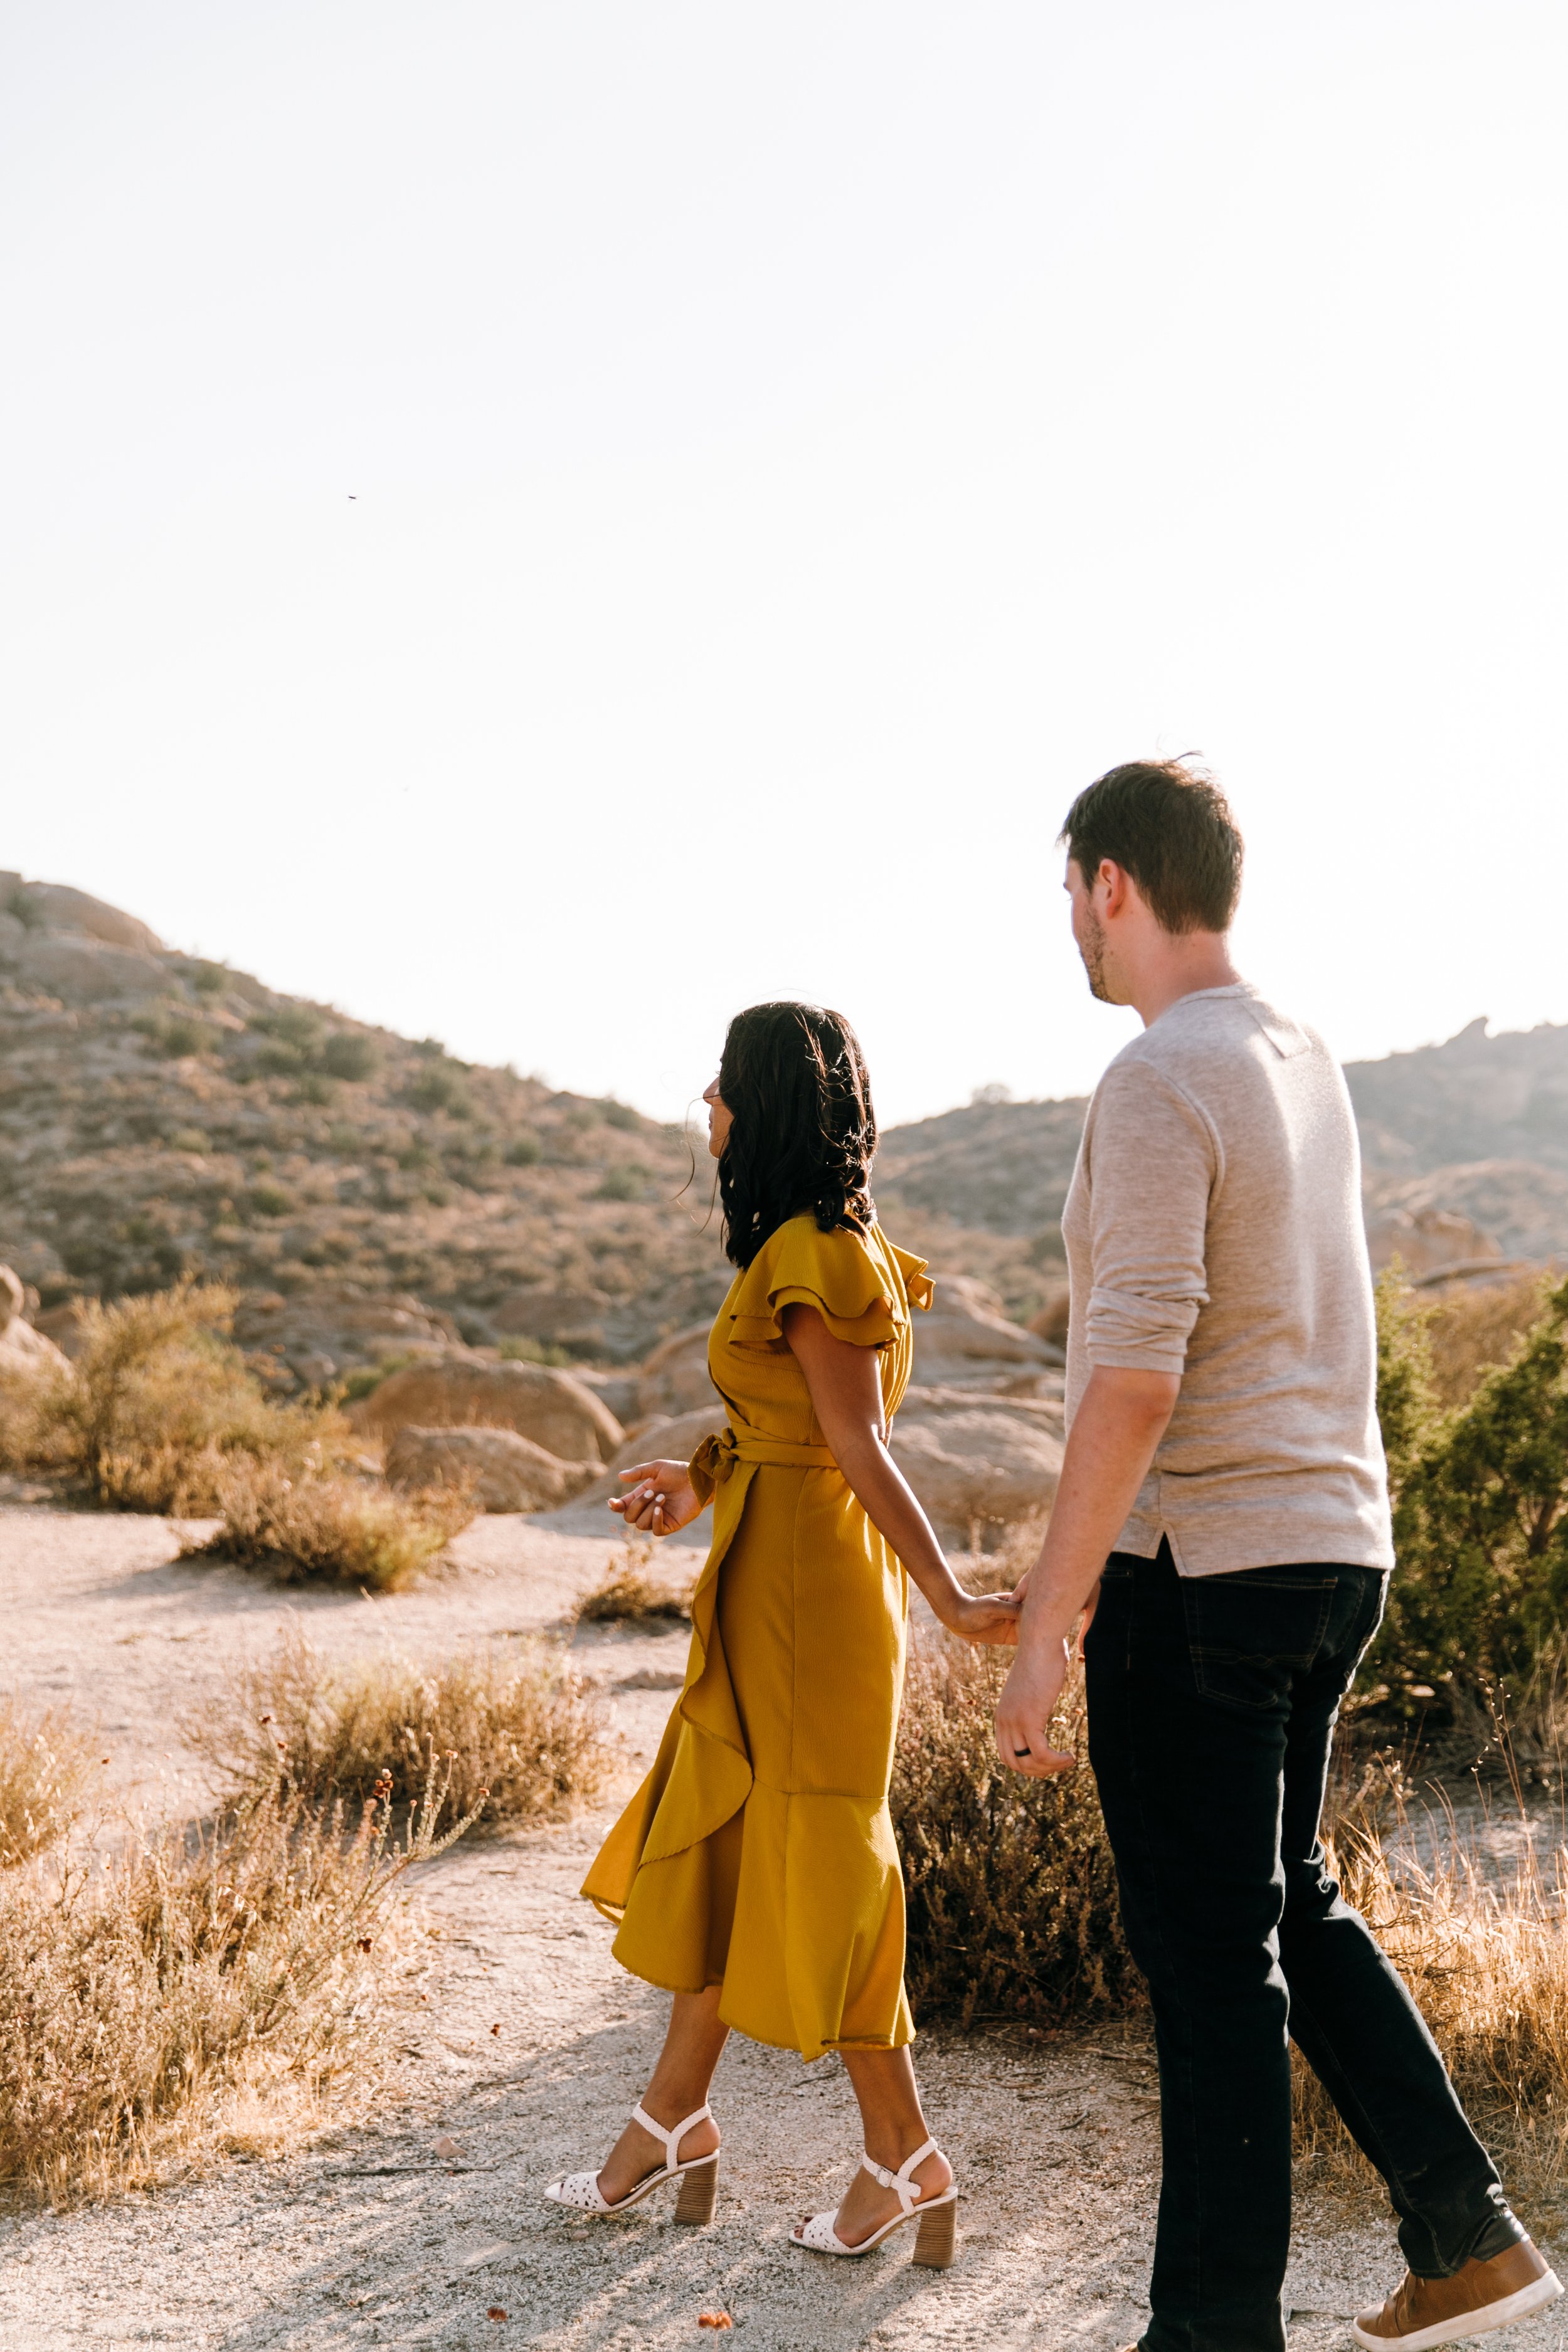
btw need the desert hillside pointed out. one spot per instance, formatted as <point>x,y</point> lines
<point>160,1115</point>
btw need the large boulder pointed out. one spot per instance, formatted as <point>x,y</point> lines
<point>463,1393</point>
<point>24,1352</point>
<point>979,1464</point>
<point>1427,1240</point>
<point>617,1389</point>
<point>506,1472</point>
<point>87,972</point>
<point>56,907</point>
<point>674,1377</point>
<point>965,1341</point>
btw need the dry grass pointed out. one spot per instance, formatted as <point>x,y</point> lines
<point>158,1407</point>
<point>1474,1327</point>
<point>46,1764</point>
<point>329,1527</point>
<point>519,1734</point>
<point>631,1595</point>
<point>191,1993</point>
<point>1010,1885</point>
<point>1484,1953</point>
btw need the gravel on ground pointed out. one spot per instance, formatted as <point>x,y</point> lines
<point>378,2235</point>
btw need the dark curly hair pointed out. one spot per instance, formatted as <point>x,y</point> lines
<point>794,1078</point>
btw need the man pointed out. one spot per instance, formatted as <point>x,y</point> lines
<point>1223,1520</point>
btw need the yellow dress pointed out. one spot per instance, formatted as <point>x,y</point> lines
<point>758,1855</point>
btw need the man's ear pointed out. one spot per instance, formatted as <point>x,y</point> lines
<point>1111,885</point>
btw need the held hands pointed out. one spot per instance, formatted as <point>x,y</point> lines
<point>987,1617</point>
<point>662,1498</point>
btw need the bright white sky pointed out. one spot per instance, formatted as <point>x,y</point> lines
<point>793,447</point>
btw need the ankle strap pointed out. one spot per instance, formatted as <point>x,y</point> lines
<point>671,2139</point>
<point>904,2188</point>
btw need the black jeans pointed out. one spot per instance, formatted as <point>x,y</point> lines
<point>1212,1702</point>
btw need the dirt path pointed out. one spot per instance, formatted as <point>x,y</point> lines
<point>372,2239</point>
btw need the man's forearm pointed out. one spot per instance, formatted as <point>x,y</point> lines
<point>1120,1421</point>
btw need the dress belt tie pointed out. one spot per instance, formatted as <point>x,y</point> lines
<point>716,1457</point>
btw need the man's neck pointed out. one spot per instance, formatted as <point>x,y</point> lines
<point>1179,966</point>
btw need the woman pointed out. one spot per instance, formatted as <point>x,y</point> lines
<point>754,1874</point>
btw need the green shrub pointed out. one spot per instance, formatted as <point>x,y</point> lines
<point>268,1199</point>
<point>525,1151</point>
<point>365,1377</point>
<point>347,1055</point>
<point>1480,1507</point>
<point>622,1183</point>
<point>182,1035</point>
<point>437,1086</point>
<point>535,1351</point>
<point>1010,1886</point>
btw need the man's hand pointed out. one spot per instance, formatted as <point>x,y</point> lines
<point>662,1498</point>
<point>1025,1710</point>
<point>1120,1421</point>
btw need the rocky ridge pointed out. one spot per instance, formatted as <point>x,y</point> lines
<point>370,1195</point>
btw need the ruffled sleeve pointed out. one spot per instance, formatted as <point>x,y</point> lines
<point>834,1273</point>
<point>919,1288</point>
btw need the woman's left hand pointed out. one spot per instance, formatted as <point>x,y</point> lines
<point>988,1617</point>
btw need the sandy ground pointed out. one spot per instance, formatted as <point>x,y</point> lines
<point>371,2238</point>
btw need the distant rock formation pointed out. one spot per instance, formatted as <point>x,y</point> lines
<point>454,1392</point>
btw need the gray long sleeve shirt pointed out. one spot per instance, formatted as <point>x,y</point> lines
<point>1214,1230</point>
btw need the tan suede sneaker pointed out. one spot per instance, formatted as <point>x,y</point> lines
<point>1424,2313</point>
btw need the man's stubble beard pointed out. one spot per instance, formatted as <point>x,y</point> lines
<point>1091,947</point>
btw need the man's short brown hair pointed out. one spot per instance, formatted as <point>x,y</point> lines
<point>1170,827</point>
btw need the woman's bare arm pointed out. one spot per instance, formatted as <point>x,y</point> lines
<point>846,1397</point>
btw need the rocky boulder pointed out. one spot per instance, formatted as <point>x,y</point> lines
<point>674,1377</point>
<point>463,1392</point>
<point>86,971</point>
<point>965,1341</point>
<point>504,1471</point>
<point>56,907</point>
<point>1427,1240</point>
<point>978,1464</point>
<point>24,1352</point>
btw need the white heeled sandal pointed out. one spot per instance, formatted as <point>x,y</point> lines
<point>698,2176</point>
<point>935,2240</point>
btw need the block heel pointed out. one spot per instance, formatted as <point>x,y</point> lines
<point>699,2191</point>
<point>936,2240</point>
